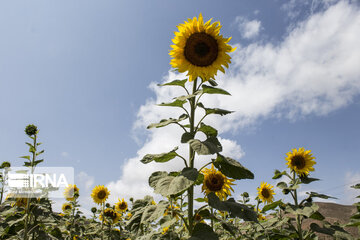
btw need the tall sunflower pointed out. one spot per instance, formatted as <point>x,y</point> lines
<point>70,192</point>
<point>110,216</point>
<point>66,207</point>
<point>301,161</point>
<point>100,194</point>
<point>266,192</point>
<point>121,205</point>
<point>215,181</point>
<point>199,49</point>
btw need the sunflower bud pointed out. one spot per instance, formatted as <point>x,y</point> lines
<point>31,129</point>
<point>107,205</point>
<point>93,209</point>
<point>245,194</point>
<point>5,165</point>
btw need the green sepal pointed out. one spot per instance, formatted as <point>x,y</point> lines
<point>162,157</point>
<point>169,185</point>
<point>175,83</point>
<point>207,147</point>
<point>214,110</point>
<point>165,122</point>
<point>232,168</point>
<point>235,209</point>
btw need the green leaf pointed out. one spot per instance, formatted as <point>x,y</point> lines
<point>307,180</point>
<point>316,228</point>
<point>200,199</point>
<point>232,168</point>
<point>208,130</point>
<point>176,103</point>
<point>152,212</point>
<point>41,152</point>
<point>175,83</point>
<point>278,174</point>
<point>271,206</point>
<point>235,209</point>
<point>203,231</point>
<point>212,83</point>
<point>169,185</point>
<point>165,122</point>
<point>282,185</point>
<point>318,195</point>
<point>214,110</point>
<point>26,157</point>
<point>357,186</point>
<point>213,90</point>
<point>162,157</point>
<point>317,215</point>
<point>186,137</point>
<point>185,97</point>
<point>207,147</point>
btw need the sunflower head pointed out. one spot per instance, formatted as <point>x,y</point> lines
<point>266,192</point>
<point>121,205</point>
<point>199,49</point>
<point>66,207</point>
<point>300,161</point>
<point>100,194</point>
<point>31,129</point>
<point>71,192</point>
<point>215,181</point>
<point>110,216</point>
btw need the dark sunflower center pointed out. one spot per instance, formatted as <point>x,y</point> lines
<point>215,182</point>
<point>298,161</point>
<point>101,194</point>
<point>67,207</point>
<point>265,192</point>
<point>122,205</point>
<point>201,49</point>
<point>110,214</point>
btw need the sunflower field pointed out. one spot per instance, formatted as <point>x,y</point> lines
<point>199,50</point>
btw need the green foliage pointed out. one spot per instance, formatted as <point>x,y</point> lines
<point>232,168</point>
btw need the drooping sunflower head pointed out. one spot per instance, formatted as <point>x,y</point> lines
<point>110,216</point>
<point>71,192</point>
<point>215,181</point>
<point>300,161</point>
<point>199,49</point>
<point>100,194</point>
<point>66,207</point>
<point>121,205</point>
<point>266,192</point>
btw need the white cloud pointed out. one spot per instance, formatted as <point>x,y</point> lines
<point>64,154</point>
<point>313,70</point>
<point>84,180</point>
<point>249,29</point>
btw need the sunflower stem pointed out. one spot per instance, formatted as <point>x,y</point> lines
<point>298,220</point>
<point>191,158</point>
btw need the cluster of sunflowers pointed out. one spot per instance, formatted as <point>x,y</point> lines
<point>201,51</point>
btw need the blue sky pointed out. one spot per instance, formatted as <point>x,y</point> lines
<point>86,72</point>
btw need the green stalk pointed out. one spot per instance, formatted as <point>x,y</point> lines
<point>28,199</point>
<point>298,220</point>
<point>102,222</point>
<point>191,159</point>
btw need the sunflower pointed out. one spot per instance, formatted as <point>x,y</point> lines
<point>164,230</point>
<point>300,161</point>
<point>71,192</point>
<point>199,49</point>
<point>215,181</point>
<point>121,206</point>
<point>111,216</point>
<point>100,194</point>
<point>266,192</point>
<point>66,207</point>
